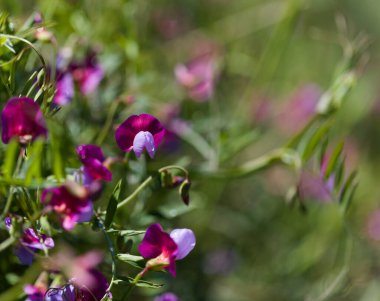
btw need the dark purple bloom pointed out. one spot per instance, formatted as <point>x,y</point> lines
<point>71,201</point>
<point>167,297</point>
<point>22,118</point>
<point>74,292</point>
<point>64,89</point>
<point>140,132</point>
<point>30,242</point>
<point>164,249</point>
<point>93,160</point>
<point>198,77</point>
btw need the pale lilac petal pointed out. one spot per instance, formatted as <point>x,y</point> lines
<point>144,140</point>
<point>65,90</point>
<point>185,240</point>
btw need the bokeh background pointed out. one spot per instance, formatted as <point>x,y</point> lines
<point>274,59</point>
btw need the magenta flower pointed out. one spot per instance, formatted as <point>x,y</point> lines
<point>167,297</point>
<point>87,73</point>
<point>164,249</point>
<point>34,293</point>
<point>64,89</point>
<point>198,77</point>
<point>30,242</point>
<point>93,161</point>
<point>71,202</point>
<point>22,118</point>
<point>140,132</point>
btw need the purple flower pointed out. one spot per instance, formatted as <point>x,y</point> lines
<point>22,118</point>
<point>167,297</point>
<point>93,161</point>
<point>64,89</point>
<point>88,73</point>
<point>140,132</point>
<point>71,201</point>
<point>30,242</point>
<point>164,249</point>
<point>34,293</point>
<point>198,77</point>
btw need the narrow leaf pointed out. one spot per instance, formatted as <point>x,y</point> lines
<point>112,205</point>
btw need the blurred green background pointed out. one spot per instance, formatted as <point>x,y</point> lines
<point>251,244</point>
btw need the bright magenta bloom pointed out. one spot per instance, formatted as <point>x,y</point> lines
<point>22,118</point>
<point>71,201</point>
<point>140,132</point>
<point>164,249</point>
<point>93,159</point>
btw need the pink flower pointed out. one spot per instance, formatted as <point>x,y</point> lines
<point>140,132</point>
<point>373,225</point>
<point>71,201</point>
<point>198,77</point>
<point>22,118</point>
<point>93,161</point>
<point>163,249</point>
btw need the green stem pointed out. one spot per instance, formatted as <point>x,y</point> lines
<point>134,282</point>
<point>7,243</point>
<point>105,130</point>
<point>46,79</point>
<point>147,182</point>
<point>282,155</point>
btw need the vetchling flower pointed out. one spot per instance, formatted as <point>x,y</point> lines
<point>22,118</point>
<point>93,161</point>
<point>88,73</point>
<point>198,77</point>
<point>167,297</point>
<point>64,88</point>
<point>140,132</point>
<point>71,201</point>
<point>29,243</point>
<point>163,249</point>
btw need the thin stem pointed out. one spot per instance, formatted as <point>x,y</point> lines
<point>7,243</point>
<point>134,282</point>
<point>46,79</point>
<point>105,130</point>
<point>136,192</point>
<point>147,182</point>
<point>282,155</point>
<point>8,204</point>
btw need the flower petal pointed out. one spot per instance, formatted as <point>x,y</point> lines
<point>144,140</point>
<point>185,240</point>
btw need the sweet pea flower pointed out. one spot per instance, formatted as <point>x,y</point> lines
<point>87,73</point>
<point>167,297</point>
<point>71,201</point>
<point>30,243</point>
<point>93,161</point>
<point>140,132</point>
<point>64,89</point>
<point>198,77</point>
<point>163,249</point>
<point>22,118</point>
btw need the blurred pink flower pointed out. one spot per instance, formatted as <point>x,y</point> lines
<point>198,76</point>
<point>373,225</point>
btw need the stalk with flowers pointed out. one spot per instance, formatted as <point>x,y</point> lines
<point>81,179</point>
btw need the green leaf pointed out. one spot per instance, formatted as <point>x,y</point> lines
<point>131,232</point>
<point>35,161</point>
<point>334,160</point>
<point>133,260</point>
<point>112,205</point>
<point>140,283</point>
<point>10,158</point>
<point>348,191</point>
<point>315,140</point>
